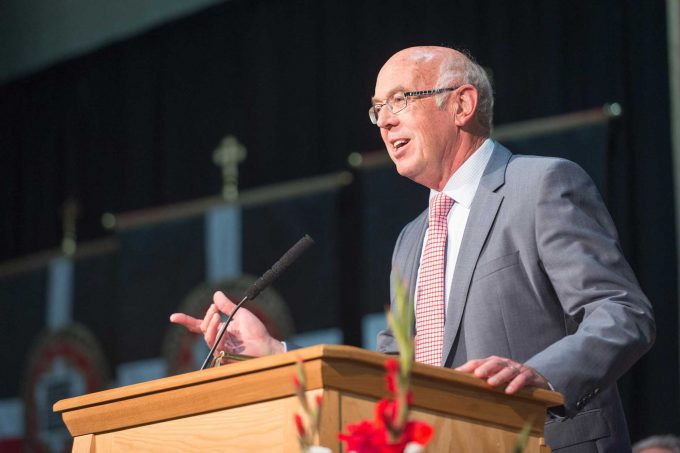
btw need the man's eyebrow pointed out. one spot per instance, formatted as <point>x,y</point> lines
<point>375,100</point>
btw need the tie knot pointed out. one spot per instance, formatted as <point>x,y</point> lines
<point>440,205</point>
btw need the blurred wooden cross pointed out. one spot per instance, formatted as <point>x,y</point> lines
<point>70,211</point>
<point>228,155</point>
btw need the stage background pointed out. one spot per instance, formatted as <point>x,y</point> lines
<point>133,125</point>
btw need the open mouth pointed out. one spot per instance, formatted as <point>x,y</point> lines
<point>399,143</point>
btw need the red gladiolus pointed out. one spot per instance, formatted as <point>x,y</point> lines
<point>319,400</point>
<point>389,432</point>
<point>296,383</point>
<point>299,425</point>
<point>392,375</point>
<point>366,437</point>
<point>392,366</point>
<point>385,413</point>
<point>391,383</point>
<point>363,437</point>
<point>418,432</point>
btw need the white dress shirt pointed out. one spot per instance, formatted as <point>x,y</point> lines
<point>461,187</point>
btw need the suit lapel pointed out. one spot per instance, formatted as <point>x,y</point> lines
<point>482,214</point>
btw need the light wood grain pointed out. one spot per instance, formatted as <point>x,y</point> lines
<point>442,395</point>
<point>330,421</point>
<point>181,401</point>
<point>235,405</point>
<point>328,352</point>
<point>263,427</point>
<point>84,444</point>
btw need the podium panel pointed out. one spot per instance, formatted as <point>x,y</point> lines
<point>249,406</point>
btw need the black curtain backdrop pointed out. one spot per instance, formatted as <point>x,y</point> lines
<point>133,125</point>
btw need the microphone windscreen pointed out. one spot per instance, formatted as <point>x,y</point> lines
<point>286,260</point>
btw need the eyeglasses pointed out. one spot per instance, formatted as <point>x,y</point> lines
<point>398,101</point>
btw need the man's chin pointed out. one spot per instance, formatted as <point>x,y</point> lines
<point>407,172</point>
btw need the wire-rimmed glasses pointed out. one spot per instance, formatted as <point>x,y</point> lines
<point>399,100</point>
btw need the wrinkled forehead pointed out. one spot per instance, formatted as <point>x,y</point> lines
<point>407,72</point>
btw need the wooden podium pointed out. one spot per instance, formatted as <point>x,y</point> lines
<point>249,406</point>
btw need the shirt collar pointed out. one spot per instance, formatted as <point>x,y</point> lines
<point>462,185</point>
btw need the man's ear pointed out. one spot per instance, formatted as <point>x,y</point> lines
<point>463,104</point>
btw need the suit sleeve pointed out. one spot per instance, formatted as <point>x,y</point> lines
<point>579,251</point>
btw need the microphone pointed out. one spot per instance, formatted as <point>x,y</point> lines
<point>261,283</point>
<point>281,265</point>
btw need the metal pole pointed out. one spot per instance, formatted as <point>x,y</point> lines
<point>673,30</point>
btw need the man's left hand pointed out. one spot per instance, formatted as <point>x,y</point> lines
<point>499,370</point>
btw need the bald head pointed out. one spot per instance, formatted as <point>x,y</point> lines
<point>423,62</point>
<point>426,105</point>
<point>443,67</point>
<point>424,57</point>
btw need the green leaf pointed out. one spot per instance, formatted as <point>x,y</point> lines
<point>522,438</point>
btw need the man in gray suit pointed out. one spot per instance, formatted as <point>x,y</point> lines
<point>537,291</point>
<point>534,288</point>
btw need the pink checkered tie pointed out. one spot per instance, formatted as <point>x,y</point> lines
<point>430,315</point>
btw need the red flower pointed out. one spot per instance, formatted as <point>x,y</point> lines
<point>296,383</point>
<point>385,413</point>
<point>299,425</point>
<point>363,437</point>
<point>366,437</point>
<point>375,437</point>
<point>319,400</point>
<point>391,383</point>
<point>409,398</point>
<point>418,432</point>
<point>392,375</point>
<point>392,365</point>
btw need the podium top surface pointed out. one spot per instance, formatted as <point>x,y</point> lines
<point>328,354</point>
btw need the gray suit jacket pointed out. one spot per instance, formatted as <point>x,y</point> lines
<point>541,279</point>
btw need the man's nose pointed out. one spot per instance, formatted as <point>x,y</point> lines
<point>386,119</point>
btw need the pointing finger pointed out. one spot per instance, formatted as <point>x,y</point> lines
<point>191,323</point>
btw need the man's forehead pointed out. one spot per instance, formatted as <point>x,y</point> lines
<point>378,97</point>
<point>400,76</point>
